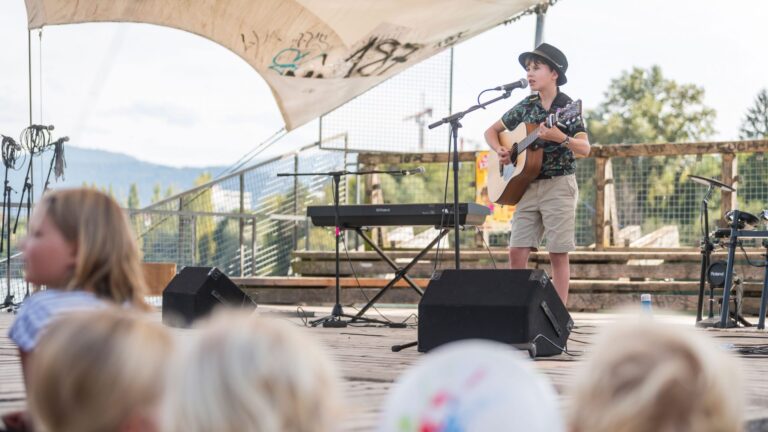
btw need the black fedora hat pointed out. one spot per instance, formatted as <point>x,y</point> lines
<point>554,58</point>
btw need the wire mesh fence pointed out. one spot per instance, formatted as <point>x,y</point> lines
<point>656,192</point>
<point>393,117</point>
<point>247,223</point>
<point>13,288</point>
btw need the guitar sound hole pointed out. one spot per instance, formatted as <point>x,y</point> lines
<point>513,155</point>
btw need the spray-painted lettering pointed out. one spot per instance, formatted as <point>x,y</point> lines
<point>379,56</point>
<point>451,40</point>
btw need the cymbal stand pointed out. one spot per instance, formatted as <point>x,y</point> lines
<point>706,252</point>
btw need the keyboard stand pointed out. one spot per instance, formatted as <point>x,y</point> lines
<point>400,272</point>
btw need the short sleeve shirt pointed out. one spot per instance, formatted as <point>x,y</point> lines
<point>558,160</point>
<point>40,309</point>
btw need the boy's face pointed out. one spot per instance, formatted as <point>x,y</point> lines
<point>540,75</point>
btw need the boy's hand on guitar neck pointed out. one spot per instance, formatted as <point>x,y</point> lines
<point>553,134</point>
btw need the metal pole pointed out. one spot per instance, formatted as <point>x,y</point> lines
<point>29,70</point>
<point>541,11</point>
<point>241,223</point>
<point>296,200</point>
<point>253,246</point>
<point>180,240</point>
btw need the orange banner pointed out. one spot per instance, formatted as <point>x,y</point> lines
<point>500,214</point>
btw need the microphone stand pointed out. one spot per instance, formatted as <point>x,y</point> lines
<point>706,252</point>
<point>454,121</point>
<point>35,139</point>
<point>58,152</point>
<point>9,150</point>
<point>335,319</point>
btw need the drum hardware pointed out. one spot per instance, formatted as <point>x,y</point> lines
<point>740,220</point>
<point>716,279</point>
<point>740,225</point>
<point>744,220</point>
<point>764,295</point>
<point>716,274</point>
<point>737,294</point>
<point>706,244</point>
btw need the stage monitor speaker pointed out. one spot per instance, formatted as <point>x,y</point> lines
<point>518,307</point>
<point>195,291</point>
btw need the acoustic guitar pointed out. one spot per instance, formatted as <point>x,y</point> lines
<point>507,182</point>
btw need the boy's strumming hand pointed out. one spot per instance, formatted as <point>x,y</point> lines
<point>504,156</point>
<point>551,134</point>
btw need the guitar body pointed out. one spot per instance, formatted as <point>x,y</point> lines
<point>507,183</point>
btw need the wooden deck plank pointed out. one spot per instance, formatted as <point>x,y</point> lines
<point>369,367</point>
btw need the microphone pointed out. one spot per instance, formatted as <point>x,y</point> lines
<point>419,170</point>
<point>41,127</point>
<point>522,83</point>
<point>61,140</point>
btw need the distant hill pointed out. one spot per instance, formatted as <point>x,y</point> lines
<point>105,169</point>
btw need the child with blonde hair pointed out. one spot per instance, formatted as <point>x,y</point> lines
<point>645,377</point>
<point>99,371</point>
<point>246,373</point>
<point>80,246</point>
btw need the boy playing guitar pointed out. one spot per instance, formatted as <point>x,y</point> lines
<point>548,206</point>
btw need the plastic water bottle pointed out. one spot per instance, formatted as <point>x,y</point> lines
<point>645,303</point>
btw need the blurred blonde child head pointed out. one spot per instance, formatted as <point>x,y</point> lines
<point>246,373</point>
<point>645,376</point>
<point>99,371</point>
<point>106,259</point>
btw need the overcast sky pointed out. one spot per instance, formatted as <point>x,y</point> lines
<point>170,97</point>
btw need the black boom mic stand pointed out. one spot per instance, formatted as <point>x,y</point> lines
<point>10,153</point>
<point>335,319</point>
<point>454,121</point>
<point>58,163</point>
<point>34,139</point>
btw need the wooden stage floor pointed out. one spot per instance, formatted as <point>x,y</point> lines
<point>369,367</point>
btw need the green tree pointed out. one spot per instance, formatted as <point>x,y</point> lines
<point>156,193</point>
<point>755,124</point>
<point>753,169</point>
<point>205,226</point>
<point>642,106</point>
<point>133,197</point>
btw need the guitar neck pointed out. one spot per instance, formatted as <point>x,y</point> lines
<point>527,141</point>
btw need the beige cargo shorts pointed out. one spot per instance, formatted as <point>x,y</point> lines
<point>548,208</point>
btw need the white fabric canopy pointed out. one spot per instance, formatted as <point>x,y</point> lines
<point>314,54</point>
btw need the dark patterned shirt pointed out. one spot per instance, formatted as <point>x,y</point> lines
<point>558,160</point>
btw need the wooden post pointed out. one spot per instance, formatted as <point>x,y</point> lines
<point>600,203</point>
<point>610,211</point>
<point>731,178</point>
